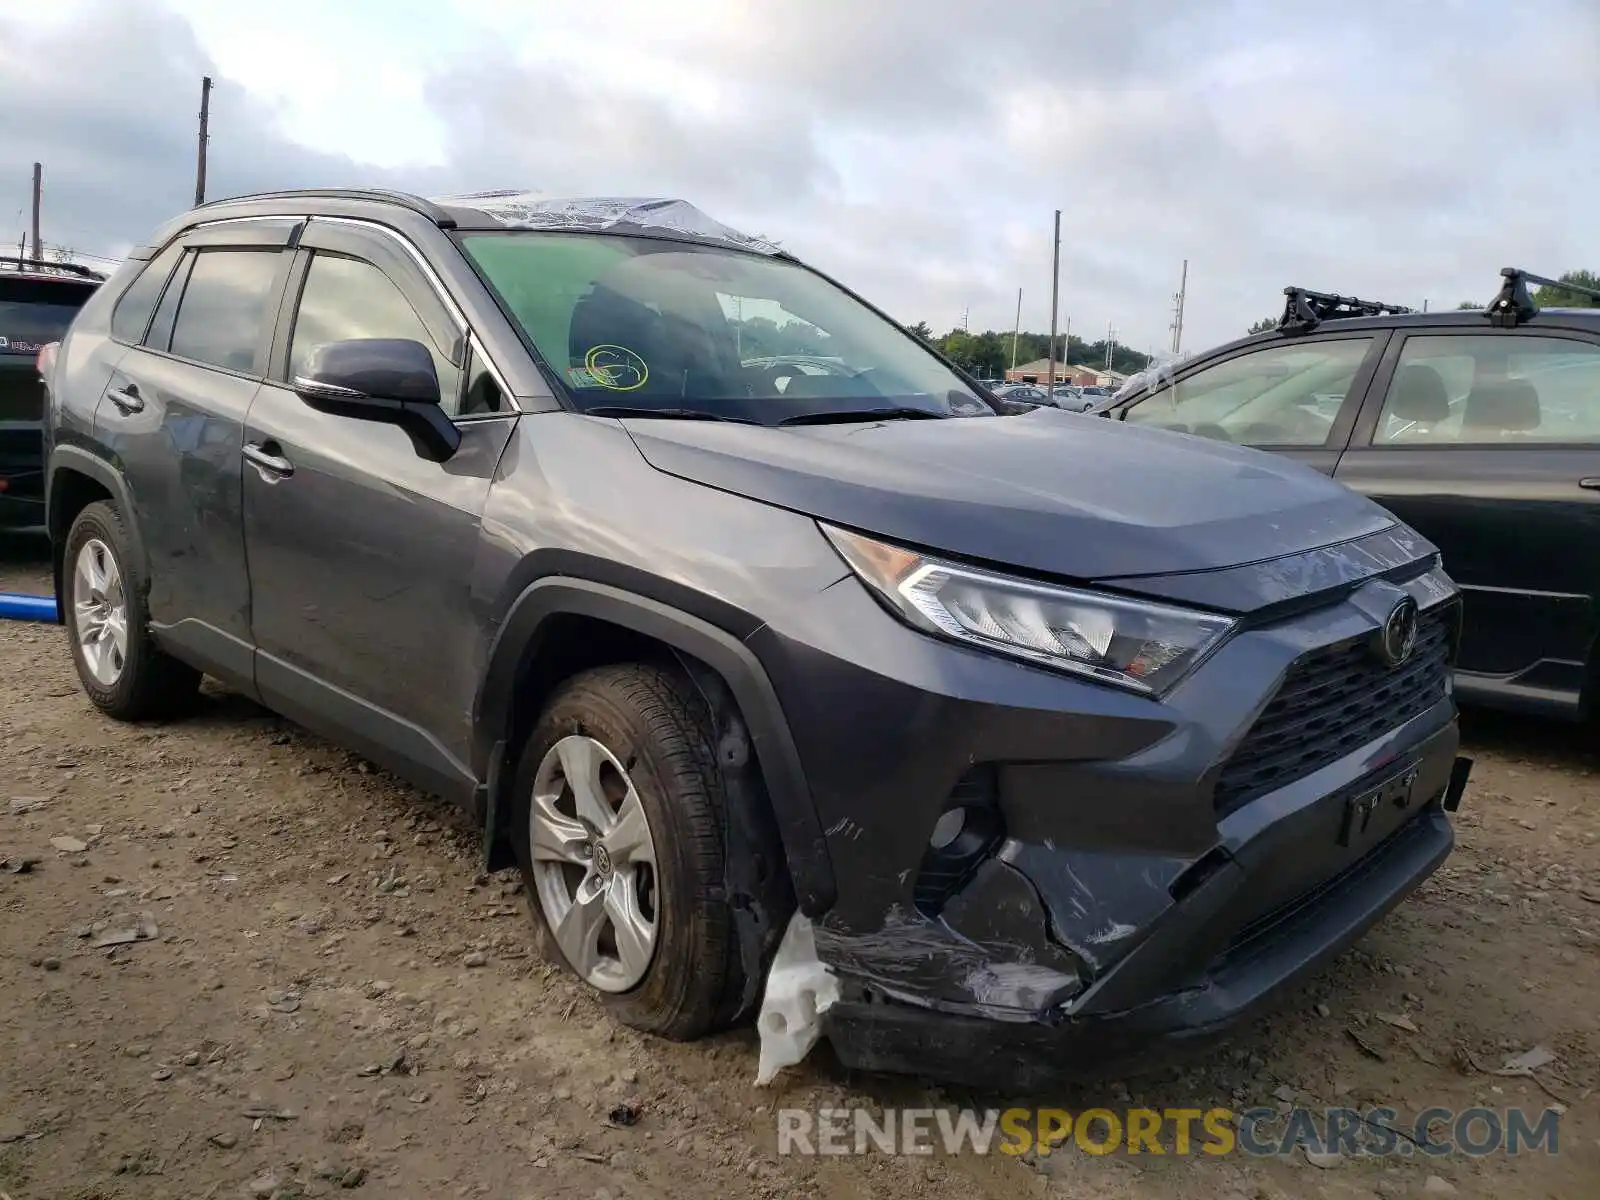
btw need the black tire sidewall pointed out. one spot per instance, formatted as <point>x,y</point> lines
<point>680,995</point>
<point>129,696</point>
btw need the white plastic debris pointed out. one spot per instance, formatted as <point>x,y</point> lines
<point>799,990</point>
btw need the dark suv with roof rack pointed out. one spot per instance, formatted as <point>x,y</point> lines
<point>1480,429</point>
<point>746,625</point>
<point>37,302</point>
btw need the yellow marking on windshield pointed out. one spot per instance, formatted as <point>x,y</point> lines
<point>616,368</point>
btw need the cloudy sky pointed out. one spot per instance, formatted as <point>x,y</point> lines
<point>916,148</point>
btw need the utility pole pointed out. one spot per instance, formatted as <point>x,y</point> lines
<point>1017,335</point>
<point>1111,344</point>
<point>1177,310</point>
<point>1055,296</point>
<point>205,136</point>
<point>38,193</point>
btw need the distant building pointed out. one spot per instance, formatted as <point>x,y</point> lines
<point>1039,372</point>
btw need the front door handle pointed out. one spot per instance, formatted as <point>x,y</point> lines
<point>127,399</point>
<point>272,464</point>
<point>1592,483</point>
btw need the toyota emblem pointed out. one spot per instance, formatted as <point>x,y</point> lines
<point>1399,636</point>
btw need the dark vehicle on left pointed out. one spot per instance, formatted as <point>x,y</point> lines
<point>38,301</point>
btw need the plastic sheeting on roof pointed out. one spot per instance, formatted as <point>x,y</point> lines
<point>607,214</point>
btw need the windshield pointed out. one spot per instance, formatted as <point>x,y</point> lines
<point>650,324</point>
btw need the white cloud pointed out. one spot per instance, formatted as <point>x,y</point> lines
<point>915,150</point>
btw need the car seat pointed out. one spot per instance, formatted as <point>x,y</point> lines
<point>1500,407</point>
<point>679,355</point>
<point>1420,398</point>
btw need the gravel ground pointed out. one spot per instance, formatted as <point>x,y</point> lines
<point>331,996</point>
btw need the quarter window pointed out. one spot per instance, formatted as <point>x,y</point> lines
<point>224,309</point>
<point>1282,396</point>
<point>1513,389</point>
<point>131,317</point>
<point>346,298</point>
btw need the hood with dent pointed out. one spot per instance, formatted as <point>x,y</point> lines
<point>1047,492</point>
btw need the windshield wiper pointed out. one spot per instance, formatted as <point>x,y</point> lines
<point>679,414</point>
<point>863,414</point>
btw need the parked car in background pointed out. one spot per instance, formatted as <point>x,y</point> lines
<point>1022,393</point>
<point>1056,739</point>
<point>1072,399</point>
<point>1480,429</point>
<point>38,301</point>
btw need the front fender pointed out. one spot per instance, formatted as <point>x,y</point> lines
<point>805,847</point>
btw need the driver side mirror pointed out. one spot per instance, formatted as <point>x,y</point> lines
<point>392,380</point>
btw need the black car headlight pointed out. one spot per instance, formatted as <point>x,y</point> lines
<point>1133,644</point>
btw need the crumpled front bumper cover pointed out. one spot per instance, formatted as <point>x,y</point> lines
<point>1202,967</point>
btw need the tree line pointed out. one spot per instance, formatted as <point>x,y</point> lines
<point>1545,296</point>
<point>989,354</point>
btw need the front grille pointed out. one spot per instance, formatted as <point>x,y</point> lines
<point>1334,701</point>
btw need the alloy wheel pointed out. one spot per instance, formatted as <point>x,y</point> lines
<point>100,612</point>
<point>594,863</point>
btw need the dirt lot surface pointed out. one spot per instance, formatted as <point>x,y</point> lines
<point>333,997</point>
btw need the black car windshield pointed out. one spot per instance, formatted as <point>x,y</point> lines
<point>651,324</point>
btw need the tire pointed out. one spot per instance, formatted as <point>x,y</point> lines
<point>655,726</point>
<point>133,680</point>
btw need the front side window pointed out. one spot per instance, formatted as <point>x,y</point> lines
<point>346,298</point>
<point>225,307</point>
<point>646,323</point>
<point>1281,396</point>
<point>1514,389</point>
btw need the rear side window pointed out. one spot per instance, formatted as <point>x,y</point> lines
<point>160,335</point>
<point>1502,389</point>
<point>131,317</point>
<point>225,307</point>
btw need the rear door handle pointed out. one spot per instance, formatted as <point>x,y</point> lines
<point>127,399</point>
<point>1592,483</point>
<point>272,464</point>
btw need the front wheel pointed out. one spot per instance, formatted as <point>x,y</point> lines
<point>618,825</point>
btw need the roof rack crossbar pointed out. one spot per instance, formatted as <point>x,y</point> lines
<point>1305,309</point>
<point>416,204</point>
<point>1514,304</point>
<point>42,265</point>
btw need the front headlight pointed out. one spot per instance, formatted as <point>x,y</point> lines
<point>1130,643</point>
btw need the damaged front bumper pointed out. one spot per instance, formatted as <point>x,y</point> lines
<point>1106,907</point>
<point>1195,975</point>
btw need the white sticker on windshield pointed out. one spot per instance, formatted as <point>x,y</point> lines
<point>581,377</point>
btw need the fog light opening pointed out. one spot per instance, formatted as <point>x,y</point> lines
<point>948,828</point>
<point>966,833</point>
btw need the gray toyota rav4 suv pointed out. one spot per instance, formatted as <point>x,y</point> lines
<point>727,607</point>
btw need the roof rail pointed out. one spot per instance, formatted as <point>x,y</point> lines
<point>16,263</point>
<point>406,200</point>
<point>1514,304</point>
<point>1304,310</point>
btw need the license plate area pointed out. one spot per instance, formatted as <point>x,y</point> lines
<point>1364,811</point>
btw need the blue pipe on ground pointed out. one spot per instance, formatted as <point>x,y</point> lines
<point>18,607</point>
